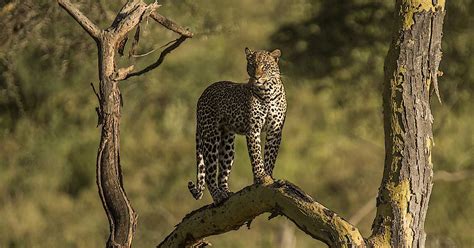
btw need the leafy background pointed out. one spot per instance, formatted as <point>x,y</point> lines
<point>333,53</point>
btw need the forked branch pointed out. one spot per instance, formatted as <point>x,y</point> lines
<point>279,198</point>
<point>120,213</point>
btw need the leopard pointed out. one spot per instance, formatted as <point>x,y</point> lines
<point>225,109</point>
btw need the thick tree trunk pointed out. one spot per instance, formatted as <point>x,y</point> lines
<point>411,70</point>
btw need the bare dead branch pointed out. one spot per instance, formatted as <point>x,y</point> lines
<point>121,45</point>
<point>122,73</point>
<point>243,206</point>
<point>171,25</point>
<point>95,92</point>
<point>145,54</point>
<point>130,16</point>
<point>97,109</point>
<point>85,23</point>
<point>120,213</point>
<point>160,60</point>
<point>136,39</point>
<point>152,51</point>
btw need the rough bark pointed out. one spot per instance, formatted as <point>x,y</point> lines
<point>120,213</point>
<point>411,70</point>
<point>278,198</point>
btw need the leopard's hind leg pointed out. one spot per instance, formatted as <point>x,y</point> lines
<point>211,155</point>
<point>226,160</point>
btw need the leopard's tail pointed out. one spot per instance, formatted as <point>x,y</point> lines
<point>197,190</point>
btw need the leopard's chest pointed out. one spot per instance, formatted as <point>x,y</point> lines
<point>275,116</point>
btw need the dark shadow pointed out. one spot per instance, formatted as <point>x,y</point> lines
<point>321,44</point>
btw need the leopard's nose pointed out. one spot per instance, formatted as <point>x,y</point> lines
<point>259,72</point>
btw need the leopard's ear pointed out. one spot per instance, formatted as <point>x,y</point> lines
<point>248,52</point>
<point>276,54</point>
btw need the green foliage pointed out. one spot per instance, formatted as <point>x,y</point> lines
<point>332,61</point>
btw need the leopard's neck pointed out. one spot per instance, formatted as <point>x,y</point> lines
<point>271,90</point>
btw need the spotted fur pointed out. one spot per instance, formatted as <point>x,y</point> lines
<point>227,108</point>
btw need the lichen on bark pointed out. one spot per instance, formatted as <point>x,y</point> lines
<point>411,69</point>
<point>279,198</point>
<point>410,7</point>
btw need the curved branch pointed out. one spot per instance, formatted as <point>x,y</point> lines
<point>171,25</point>
<point>278,198</point>
<point>85,23</point>
<point>160,59</point>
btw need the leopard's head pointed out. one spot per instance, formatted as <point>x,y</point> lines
<point>262,65</point>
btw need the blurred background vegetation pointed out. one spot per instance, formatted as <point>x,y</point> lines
<point>333,53</point>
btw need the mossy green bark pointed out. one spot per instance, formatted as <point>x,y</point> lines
<point>409,7</point>
<point>279,198</point>
<point>411,66</point>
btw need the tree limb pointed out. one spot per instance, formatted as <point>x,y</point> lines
<point>281,198</point>
<point>85,23</point>
<point>171,25</point>
<point>121,73</point>
<point>160,59</point>
<point>130,15</point>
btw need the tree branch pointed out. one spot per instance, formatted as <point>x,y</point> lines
<point>160,59</point>
<point>279,198</point>
<point>130,15</point>
<point>171,25</point>
<point>121,73</point>
<point>85,23</point>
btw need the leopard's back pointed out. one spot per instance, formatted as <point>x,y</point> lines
<point>226,105</point>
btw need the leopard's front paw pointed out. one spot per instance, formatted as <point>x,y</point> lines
<point>264,180</point>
